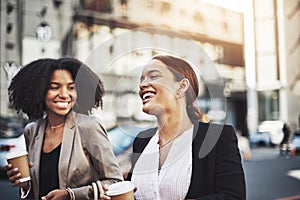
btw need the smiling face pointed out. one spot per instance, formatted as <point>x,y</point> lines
<point>61,95</point>
<point>158,89</point>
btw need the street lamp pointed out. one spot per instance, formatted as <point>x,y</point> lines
<point>11,68</point>
<point>43,31</point>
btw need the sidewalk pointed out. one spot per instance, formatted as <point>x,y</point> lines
<point>264,153</point>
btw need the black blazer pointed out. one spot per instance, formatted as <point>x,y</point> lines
<point>217,172</point>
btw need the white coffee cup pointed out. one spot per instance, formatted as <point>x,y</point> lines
<point>18,159</point>
<point>121,190</point>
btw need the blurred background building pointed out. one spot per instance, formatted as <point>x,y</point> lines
<point>254,47</point>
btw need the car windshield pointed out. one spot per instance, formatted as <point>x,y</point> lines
<point>11,127</point>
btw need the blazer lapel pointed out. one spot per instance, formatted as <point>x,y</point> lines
<point>66,150</point>
<point>202,179</point>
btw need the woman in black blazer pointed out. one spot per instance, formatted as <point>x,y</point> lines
<point>182,158</point>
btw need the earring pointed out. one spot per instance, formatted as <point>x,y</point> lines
<point>179,94</point>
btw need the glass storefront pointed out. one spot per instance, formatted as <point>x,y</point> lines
<point>268,103</point>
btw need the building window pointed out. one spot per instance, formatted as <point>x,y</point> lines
<point>268,105</point>
<point>97,5</point>
<point>165,8</point>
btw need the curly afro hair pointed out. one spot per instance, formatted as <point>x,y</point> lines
<point>28,88</point>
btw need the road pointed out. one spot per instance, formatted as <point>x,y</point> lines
<point>269,177</point>
<point>7,191</point>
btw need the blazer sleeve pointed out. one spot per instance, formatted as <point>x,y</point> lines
<point>229,181</point>
<point>102,154</point>
<point>102,157</point>
<point>27,194</point>
<point>31,135</point>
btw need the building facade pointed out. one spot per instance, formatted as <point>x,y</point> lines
<point>272,54</point>
<point>251,54</point>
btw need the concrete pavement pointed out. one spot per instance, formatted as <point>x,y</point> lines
<point>264,153</point>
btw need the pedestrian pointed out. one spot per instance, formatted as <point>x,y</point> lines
<point>182,158</point>
<point>243,144</point>
<point>68,149</point>
<point>285,142</point>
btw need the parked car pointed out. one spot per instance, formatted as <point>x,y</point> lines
<point>122,135</point>
<point>259,139</point>
<point>274,129</point>
<point>11,138</point>
<point>296,141</point>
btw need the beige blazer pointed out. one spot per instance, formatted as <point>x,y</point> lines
<point>86,155</point>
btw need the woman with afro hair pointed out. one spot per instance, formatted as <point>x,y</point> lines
<point>68,149</point>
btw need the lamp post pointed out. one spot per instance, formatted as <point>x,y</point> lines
<point>43,32</point>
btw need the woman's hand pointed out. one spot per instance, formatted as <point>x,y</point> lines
<point>57,195</point>
<point>105,188</point>
<point>103,196</point>
<point>14,176</point>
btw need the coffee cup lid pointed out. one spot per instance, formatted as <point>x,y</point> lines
<point>119,188</point>
<point>15,154</point>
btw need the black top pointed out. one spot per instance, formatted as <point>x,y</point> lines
<point>49,171</point>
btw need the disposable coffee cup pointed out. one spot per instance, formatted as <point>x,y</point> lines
<point>121,191</point>
<point>18,159</point>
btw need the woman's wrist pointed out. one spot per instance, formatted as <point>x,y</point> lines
<point>71,195</point>
<point>68,197</point>
<point>25,189</point>
<point>26,186</point>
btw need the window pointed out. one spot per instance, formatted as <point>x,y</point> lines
<point>268,105</point>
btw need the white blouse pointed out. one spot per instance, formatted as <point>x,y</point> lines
<point>172,181</point>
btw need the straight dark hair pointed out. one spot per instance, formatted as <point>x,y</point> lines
<point>181,69</point>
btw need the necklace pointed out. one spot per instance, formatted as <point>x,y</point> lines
<point>57,126</point>
<point>168,141</point>
<point>161,146</point>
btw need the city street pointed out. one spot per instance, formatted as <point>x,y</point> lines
<point>238,60</point>
<point>268,177</point>
<point>8,192</point>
